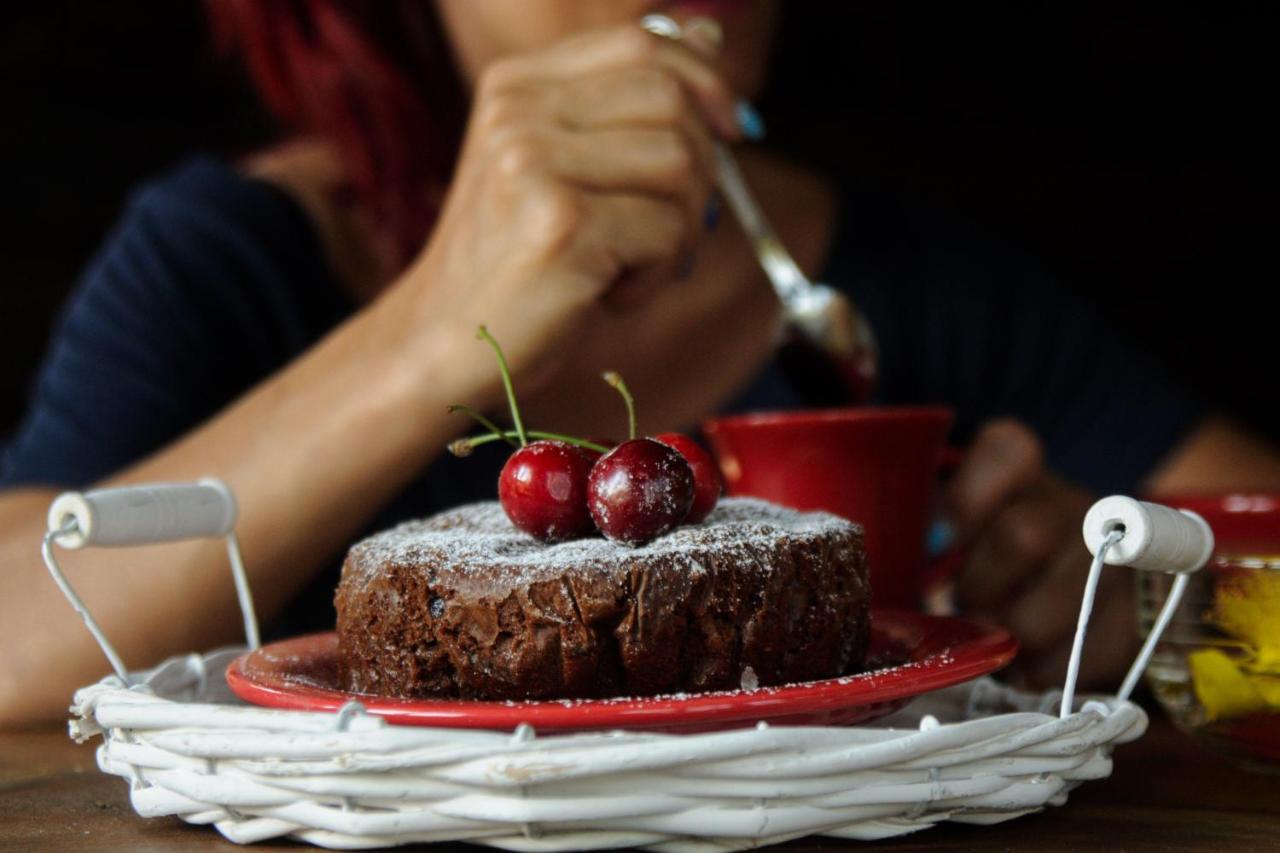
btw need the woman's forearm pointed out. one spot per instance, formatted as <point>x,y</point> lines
<point>311,454</point>
<point>1218,456</point>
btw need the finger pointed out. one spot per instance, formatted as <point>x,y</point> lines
<point>1115,640</point>
<point>709,89</point>
<point>638,288</point>
<point>640,160</point>
<point>705,37</point>
<point>1004,458</point>
<point>623,233</point>
<point>698,138</point>
<point>664,162</point>
<point>615,49</point>
<point>668,162</point>
<point>1109,648</point>
<point>634,97</point>
<point>647,96</point>
<point>1044,617</point>
<point>1014,548</point>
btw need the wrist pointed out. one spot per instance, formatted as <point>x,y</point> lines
<point>431,359</point>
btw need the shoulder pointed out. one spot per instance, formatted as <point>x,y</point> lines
<point>211,208</point>
<point>202,190</point>
<point>221,248</point>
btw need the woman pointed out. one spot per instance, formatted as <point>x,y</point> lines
<point>298,326</point>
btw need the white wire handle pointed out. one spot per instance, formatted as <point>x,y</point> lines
<point>1145,536</point>
<point>140,515</point>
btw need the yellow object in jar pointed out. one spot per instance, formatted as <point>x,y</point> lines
<point>1222,686</point>
<point>1246,607</point>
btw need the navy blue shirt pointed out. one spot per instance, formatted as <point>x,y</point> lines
<point>213,281</point>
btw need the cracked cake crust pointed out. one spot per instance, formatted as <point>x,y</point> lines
<point>463,605</point>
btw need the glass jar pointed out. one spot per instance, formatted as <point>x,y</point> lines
<point>1216,670</point>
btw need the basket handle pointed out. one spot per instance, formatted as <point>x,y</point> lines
<point>140,515</point>
<point>1141,535</point>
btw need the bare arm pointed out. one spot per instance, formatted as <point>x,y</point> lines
<point>310,454</point>
<point>1220,456</point>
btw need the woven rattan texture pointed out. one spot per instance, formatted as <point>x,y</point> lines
<point>978,753</point>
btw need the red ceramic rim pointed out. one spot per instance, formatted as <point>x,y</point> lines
<point>938,652</point>
<point>1244,523</point>
<point>823,416</point>
<point>1226,503</point>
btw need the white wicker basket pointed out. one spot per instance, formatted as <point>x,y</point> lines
<point>352,781</point>
<point>975,753</point>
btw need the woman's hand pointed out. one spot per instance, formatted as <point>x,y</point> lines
<point>585,167</point>
<point>1027,563</point>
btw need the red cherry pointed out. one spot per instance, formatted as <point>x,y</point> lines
<point>706,476</point>
<point>639,490</point>
<point>543,489</point>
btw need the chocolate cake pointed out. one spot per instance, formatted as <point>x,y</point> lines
<point>464,605</point>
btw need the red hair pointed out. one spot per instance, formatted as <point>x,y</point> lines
<point>375,79</point>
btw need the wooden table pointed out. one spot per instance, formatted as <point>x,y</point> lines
<point>1165,794</point>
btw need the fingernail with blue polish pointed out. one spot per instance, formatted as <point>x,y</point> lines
<point>940,538</point>
<point>749,122</point>
<point>711,216</point>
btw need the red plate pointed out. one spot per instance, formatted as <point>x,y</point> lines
<point>915,654</point>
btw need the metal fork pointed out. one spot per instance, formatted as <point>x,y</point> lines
<point>829,338</point>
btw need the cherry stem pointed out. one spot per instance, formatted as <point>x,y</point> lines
<point>464,446</point>
<point>615,382</point>
<point>483,421</point>
<point>483,334</point>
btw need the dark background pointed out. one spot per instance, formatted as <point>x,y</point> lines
<point>1123,147</point>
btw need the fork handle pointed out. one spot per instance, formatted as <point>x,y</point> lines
<point>789,282</point>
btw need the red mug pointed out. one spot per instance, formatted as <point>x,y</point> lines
<point>876,466</point>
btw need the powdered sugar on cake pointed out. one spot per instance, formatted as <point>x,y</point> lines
<point>479,536</point>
